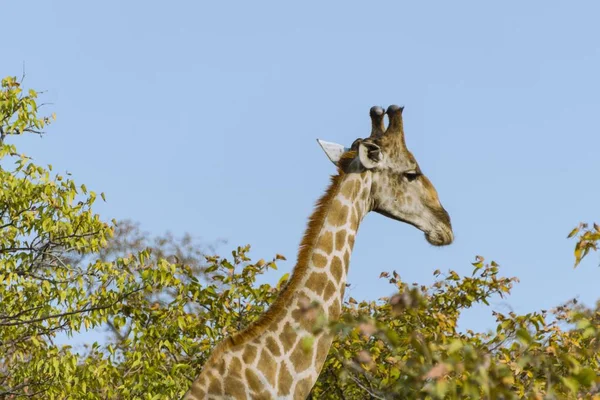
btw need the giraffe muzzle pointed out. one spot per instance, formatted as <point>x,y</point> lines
<point>440,237</point>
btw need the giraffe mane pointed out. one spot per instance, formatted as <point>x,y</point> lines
<point>307,245</point>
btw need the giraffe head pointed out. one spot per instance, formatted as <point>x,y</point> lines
<point>399,189</point>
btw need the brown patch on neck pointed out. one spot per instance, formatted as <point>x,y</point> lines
<point>279,306</point>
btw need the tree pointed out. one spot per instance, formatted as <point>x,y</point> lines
<point>46,224</point>
<point>41,217</point>
<point>62,272</point>
<point>128,239</point>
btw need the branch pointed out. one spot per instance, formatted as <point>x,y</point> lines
<point>363,387</point>
<point>21,312</point>
<point>30,321</point>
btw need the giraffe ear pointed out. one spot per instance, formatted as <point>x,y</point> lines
<point>369,154</point>
<point>334,151</point>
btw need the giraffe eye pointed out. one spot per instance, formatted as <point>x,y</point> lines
<point>412,175</point>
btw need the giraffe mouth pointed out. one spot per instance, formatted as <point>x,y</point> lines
<point>441,236</point>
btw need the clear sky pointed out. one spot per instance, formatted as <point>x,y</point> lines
<point>202,117</point>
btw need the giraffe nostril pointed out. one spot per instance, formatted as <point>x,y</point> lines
<point>446,218</point>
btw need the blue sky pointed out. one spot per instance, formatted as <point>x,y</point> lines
<point>202,117</point>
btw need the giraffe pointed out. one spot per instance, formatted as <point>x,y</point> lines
<point>270,358</point>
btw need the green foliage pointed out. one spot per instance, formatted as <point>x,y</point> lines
<point>164,306</point>
<point>409,347</point>
<point>587,240</point>
<point>18,111</point>
<point>41,217</point>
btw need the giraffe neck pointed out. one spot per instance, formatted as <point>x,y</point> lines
<point>273,357</point>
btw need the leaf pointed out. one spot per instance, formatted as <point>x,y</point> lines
<point>524,336</point>
<point>574,232</point>
<point>571,383</point>
<point>455,345</point>
<point>283,279</point>
<point>583,323</point>
<point>441,387</point>
<point>307,343</point>
<point>586,376</point>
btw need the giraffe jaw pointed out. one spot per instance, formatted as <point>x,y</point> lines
<point>442,236</point>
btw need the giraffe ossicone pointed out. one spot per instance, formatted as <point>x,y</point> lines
<point>269,359</point>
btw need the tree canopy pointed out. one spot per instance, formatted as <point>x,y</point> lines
<point>164,302</point>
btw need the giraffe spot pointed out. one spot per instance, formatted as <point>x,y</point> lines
<point>272,346</point>
<point>235,387</point>
<point>364,194</point>
<point>316,282</point>
<point>235,367</point>
<point>319,260</point>
<point>306,313</point>
<point>264,395</point>
<point>301,357</point>
<point>330,290</point>
<point>249,354</point>
<point>349,189</point>
<point>197,390</point>
<point>338,214</point>
<point>287,337</point>
<point>303,388</point>
<point>285,381</point>
<point>335,309</point>
<point>357,185</point>
<point>201,380</point>
<point>301,318</point>
<point>200,394</point>
<point>347,259</point>
<point>351,239</point>
<point>354,220</point>
<point>326,242</point>
<point>267,366</point>
<point>302,300</point>
<point>340,239</point>
<point>323,346</point>
<point>221,367</point>
<point>253,380</point>
<point>215,387</point>
<point>336,268</point>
